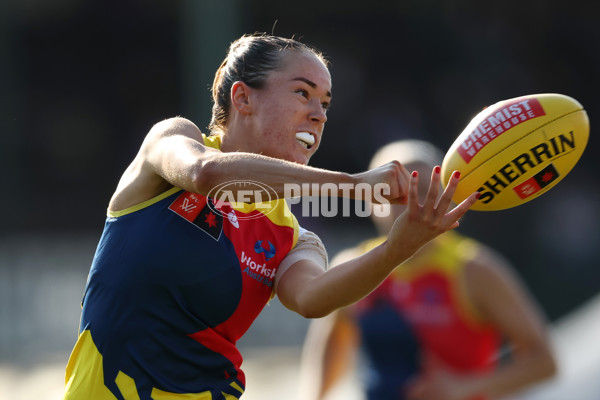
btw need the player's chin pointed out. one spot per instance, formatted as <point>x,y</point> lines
<point>300,158</point>
<point>306,153</point>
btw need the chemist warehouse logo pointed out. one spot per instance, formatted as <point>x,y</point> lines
<point>258,271</point>
<point>498,122</point>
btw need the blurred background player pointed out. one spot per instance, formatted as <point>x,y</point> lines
<point>435,328</point>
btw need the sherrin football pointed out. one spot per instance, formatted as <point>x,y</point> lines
<point>517,149</point>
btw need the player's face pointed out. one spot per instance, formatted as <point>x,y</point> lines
<point>289,112</point>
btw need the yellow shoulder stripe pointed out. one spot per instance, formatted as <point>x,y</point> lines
<point>147,203</point>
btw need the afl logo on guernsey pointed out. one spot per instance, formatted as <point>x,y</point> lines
<point>193,208</point>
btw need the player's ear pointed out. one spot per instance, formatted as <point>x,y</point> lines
<point>240,97</point>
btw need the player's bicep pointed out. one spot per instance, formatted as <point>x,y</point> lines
<point>295,281</point>
<point>306,261</point>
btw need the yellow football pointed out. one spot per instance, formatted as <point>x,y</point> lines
<point>517,149</point>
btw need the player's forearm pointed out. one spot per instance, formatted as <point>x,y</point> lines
<point>174,150</point>
<point>525,369</point>
<point>280,177</point>
<point>348,282</point>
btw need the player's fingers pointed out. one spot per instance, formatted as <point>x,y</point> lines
<point>433,191</point>
<point>446,198</point>
<point>398,179</point>
<point>413,194</point>
<point>457,212</point>
<point>403,184</point>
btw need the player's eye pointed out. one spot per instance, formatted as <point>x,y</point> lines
<point>302,92</point>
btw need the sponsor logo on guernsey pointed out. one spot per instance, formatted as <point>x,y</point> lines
<point>256,270</point>
<point>499,121</point>
<point>233,219</point>
<point>269,252</point>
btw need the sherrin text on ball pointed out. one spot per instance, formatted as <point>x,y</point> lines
<point>517,149</point>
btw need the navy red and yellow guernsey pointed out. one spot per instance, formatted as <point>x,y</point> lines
<point>172,287</point>
<point>421,315</point>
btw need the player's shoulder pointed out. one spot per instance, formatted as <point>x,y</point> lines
<point>489,268</point>
<point>174,126</point>
<point>175,122</point>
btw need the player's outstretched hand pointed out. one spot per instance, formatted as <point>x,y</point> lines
<point>420,223</point>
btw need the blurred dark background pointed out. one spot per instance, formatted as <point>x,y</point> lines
<point>83,81</point>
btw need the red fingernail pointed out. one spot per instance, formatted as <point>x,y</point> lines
<point>457,174</point>
<point>437,169</point>
<point>415,174</point>
<point>478,195</point>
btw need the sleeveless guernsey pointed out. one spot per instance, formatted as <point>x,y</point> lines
<point>174,283</point>
<point>421,315</point>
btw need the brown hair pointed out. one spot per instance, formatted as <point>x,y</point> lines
<point>250,59</point>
